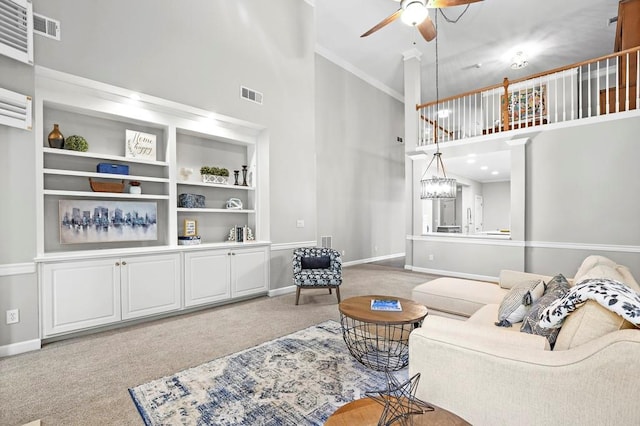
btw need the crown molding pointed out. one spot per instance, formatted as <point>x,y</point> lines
<point>330,56</point>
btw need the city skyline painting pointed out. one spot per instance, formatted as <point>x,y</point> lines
<point>96,221</point>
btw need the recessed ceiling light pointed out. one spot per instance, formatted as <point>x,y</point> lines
<point>495,172</point>
<point>471,160</point>
<point>484,168</point>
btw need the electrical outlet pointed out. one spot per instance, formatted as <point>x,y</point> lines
<point>344,252</point>
<point>13,316</point>
<point>300,223</point>
<point>430,257</point>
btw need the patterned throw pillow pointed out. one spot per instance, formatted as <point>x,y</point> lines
<point>517,302</point>
<point>316,262</point>
<point>557,288</point>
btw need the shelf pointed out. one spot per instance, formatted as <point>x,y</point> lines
<point>217,185</point>
<point>184,209</point>
<point>89,194</point>
<point>102,175</point>
<point>66,152</point>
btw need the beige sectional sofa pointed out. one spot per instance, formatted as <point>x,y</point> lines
<point>493,375</point>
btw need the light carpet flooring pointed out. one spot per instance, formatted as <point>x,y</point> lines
<point>84,380</point>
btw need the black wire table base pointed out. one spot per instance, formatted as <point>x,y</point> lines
<point>381,347</point>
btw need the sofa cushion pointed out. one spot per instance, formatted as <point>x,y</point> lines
<point>517,302</point>
<point>487,316</point>
<point>556,288</point>
<point>603,267</point>
<point>457,296</point>
<point>591,320</point>
<point>509,278</point>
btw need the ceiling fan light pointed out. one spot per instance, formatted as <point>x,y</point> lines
<point>414,13</point>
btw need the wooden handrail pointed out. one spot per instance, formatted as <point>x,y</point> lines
<point>433,123</point>
<point>531,77</point>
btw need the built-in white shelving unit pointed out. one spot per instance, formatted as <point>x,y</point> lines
<point>122,280</point>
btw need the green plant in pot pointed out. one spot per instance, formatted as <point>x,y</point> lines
<point>76,143</point>
<point>214,174</point>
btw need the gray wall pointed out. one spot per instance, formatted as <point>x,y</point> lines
<point>582,187</point>
<point>360,165</point>
<point>496,200</point>
<point>580,198</point>
<point>17,213</point>
<point>199,53</point>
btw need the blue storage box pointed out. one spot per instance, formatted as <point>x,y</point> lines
<point>116,169</point>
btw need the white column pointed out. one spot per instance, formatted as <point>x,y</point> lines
<point>411,99</point>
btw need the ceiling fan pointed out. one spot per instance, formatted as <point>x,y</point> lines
<point>415,13</point>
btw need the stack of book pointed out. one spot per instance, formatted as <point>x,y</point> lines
<point>392,305</point>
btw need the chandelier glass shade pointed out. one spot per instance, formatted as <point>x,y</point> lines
<point>437,187</point>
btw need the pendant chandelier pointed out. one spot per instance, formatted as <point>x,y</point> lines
<point>437,186</point>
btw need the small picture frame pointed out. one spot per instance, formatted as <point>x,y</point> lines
<point>190,228</point>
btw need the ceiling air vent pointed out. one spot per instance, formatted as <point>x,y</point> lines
<point>15,109</point>
<point>250,95</point>
<point>16,30</point>
<point>46,27</point>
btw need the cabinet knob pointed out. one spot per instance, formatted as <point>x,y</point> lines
<point>229,254</point>
<point>233,254</point>
<point>124,263</point>
<point>117,263</point>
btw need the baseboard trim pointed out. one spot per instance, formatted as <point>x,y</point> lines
<point>281,291</point>
<point>20,347</point>
<point>17,269</point>
<point>372,259</point>
<point>455,274</point>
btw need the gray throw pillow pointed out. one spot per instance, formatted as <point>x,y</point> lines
<point>517,302</point>
<point>557,288</point>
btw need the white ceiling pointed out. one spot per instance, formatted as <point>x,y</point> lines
<point>553,33</point>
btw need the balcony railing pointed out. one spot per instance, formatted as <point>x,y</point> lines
<point>606,85</point>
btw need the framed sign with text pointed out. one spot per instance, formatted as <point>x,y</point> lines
<point>140,145</point>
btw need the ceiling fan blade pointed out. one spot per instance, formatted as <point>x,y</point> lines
<point>427,29</point>
<point>386,21</point>
<point>449,3</point>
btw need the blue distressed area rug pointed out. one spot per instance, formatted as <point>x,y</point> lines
<point>298,379</point>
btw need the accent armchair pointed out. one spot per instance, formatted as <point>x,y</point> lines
<point>317,267</point>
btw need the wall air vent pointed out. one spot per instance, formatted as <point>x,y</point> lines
<point>325,241</point>
<point>250,95</point>
<point>46,27</point>
<point>15,109</point>
<point>16,30</point>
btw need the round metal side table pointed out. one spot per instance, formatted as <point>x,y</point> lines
<point>379,339</point>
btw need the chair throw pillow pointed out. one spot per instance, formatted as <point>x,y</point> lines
<point>557,287</point>
<point>611,294</point>
<point>316,262</point>
<point>517,302</point>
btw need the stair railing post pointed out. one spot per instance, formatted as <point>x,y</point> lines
<point>505,105</point>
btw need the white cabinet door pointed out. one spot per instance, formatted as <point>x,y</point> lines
<point>78,295</point>
<point>206,277</point>
<point>249,271</point>
<point>150,284</point>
